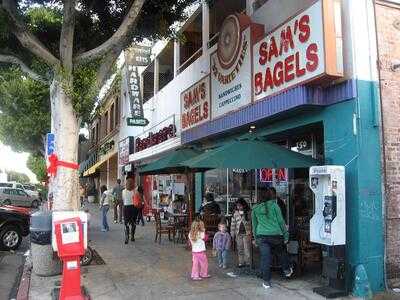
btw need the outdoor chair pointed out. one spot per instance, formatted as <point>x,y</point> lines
<point>162,228</point>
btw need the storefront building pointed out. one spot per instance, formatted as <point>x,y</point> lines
<point>301,74</point>
<point>101,166</point>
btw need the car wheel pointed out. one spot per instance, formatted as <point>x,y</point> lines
<point>10,237</point>
<point>7,202</point>
<point>35,204</point>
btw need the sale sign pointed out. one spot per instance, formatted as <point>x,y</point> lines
<point>195,104</point>
<point>306,48</point>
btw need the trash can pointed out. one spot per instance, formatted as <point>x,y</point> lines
<point>44,262</point>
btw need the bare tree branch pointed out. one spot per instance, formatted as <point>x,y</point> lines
<point>27,39</point>
<point>104,71</point>
<point>16,61</point>
<point>67,35</point>
<point>118,39</point>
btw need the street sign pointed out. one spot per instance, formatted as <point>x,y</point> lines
<point>137,122</point>
<point>50,144</point>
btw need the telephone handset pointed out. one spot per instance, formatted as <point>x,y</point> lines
<point>329,212</point>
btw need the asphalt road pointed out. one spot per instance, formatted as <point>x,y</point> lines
<point>11,267</point>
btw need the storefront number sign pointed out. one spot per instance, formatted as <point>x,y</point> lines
<point>297,52</point>
<point>267,175</point>
<point>195,104</point>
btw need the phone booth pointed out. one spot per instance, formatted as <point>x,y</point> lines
<point>328,226</point>
<point>70,240</point>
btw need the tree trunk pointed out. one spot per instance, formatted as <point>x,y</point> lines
<point>66,130</point>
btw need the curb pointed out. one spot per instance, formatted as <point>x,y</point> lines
<point>24,285</point>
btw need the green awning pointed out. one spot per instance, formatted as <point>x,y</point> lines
<point>172,163</point>
<point>251,154</point>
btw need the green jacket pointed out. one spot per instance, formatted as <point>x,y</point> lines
<point>270,223</point>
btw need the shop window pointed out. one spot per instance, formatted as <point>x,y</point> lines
<point>219,10</point>
<point>117,111</point>
<point>112,112</point>
<point>191,42</point>
<point>148,83</point>
<point>166,65</point>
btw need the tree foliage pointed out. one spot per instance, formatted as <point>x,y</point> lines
<point>37,165</point>
<point>25,111</point>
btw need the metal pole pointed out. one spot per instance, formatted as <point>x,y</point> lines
<point>227,191</point>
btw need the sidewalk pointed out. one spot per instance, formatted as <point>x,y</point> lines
<point>147,270</point>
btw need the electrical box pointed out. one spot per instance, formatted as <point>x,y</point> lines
<point>328,225</point>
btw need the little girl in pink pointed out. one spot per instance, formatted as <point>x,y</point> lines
<point>199,257</point>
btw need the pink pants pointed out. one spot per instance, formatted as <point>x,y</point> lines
<point>199,265</point>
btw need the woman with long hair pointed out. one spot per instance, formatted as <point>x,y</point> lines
<point>241,231</point>
<point>130,212</point>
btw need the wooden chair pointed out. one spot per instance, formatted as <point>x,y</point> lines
<point>162,228</point>
<point>211,225</point>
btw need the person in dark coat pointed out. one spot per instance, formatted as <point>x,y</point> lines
<point>210,207</point>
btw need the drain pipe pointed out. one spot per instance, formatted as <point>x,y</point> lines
<point>383,140</point>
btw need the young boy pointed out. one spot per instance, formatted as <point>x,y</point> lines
<point>221,244</point>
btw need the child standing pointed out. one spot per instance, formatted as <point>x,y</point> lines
<point>199,257</point>
<point>221,244</point>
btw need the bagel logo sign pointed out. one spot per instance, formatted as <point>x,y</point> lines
<point>231,66</point>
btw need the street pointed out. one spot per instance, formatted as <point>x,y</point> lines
<point>11,266</point>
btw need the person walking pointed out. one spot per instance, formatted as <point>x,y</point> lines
<point>241,232</point>
<point>118,203</point>
<point>222,244</point>
<point>130,212</point>
<point>138,203</point>
<point>271,236</point>
<point>104,207</point>
<point>140,208</point>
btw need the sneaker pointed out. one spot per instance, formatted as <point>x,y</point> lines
<point>103,230</point>
<point>288,273</point>
<point>220,265</point>
<point>115,221</point>
<point>266,285</point>
<point>241,266</point>
<point>232,275</point>
<point>224,267</point>
<point>207,276</point>
<point>196,279</point>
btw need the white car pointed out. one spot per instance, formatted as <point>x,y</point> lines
<point>28,188</point>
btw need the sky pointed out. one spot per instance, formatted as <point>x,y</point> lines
<point>10,160</point>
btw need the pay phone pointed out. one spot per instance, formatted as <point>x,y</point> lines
<point>328,225</point>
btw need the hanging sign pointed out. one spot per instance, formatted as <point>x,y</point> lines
<point>195,104</point>
<point>135,96</point>
<point>125,148</point>
<point>231,68</point>
<point>138,55</point>
<point>307,48</point>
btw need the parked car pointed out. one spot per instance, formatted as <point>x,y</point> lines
<point>14,225</point>
<point>17,197</point>
<point>28,188</point>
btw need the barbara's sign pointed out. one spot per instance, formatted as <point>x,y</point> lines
<point>155,138</point>
<point>195,104</point>
<point>306,48</point>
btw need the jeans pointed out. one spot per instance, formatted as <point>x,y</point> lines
<point>243,242</point>
<point>104,211</point>
<point>140,216</point>
<point>222,257</point>
<point>118,206</point>
<point>199,264</point>
<point>272,244</point>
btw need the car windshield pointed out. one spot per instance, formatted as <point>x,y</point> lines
<point>30,187</point>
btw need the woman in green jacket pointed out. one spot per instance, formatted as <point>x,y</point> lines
<point>271,235</point>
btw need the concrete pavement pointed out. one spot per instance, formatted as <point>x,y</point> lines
<point>147,270</point>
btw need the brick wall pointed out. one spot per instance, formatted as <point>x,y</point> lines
<point>388,24</point>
